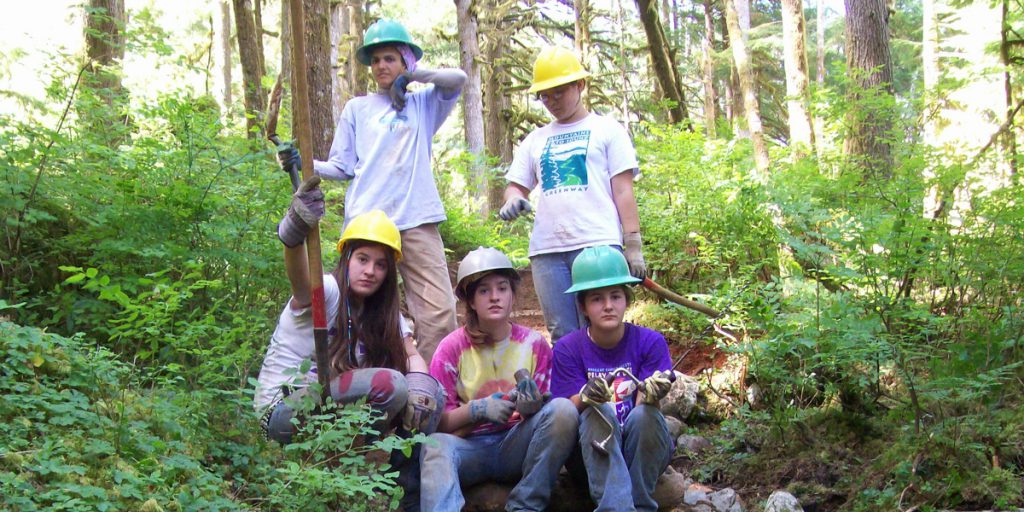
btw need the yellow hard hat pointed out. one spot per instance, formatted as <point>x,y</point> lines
<point>556,66</point>
<point>373,226</point>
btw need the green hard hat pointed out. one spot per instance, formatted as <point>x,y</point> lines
<point>597,267</point>
<point>385,31</point>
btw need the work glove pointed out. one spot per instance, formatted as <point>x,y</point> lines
<point>305,211</point>
<point>514,208</point>
<point>288,156</point>
<point>397,92</point>
<point>634,257</point>
<point>529,400</point>
<point>422,403</point>
<point>492,409</point>
<point>595,391</point>
<point>655,387</point>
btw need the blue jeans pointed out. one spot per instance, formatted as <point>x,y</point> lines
<point>552,276</point>
<point>533,451</point>
<point>637,456</point>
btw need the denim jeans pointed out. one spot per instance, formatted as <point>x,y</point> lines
<point>533,452</point>
<point>552,276</point>
<point>637,455</point>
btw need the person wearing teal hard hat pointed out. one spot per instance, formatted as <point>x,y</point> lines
<point>616,373</point>
<point>383,144</point>
<point>583,166</point>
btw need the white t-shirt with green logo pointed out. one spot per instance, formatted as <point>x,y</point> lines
<point>574,165</point>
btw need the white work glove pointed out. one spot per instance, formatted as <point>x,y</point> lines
<point>595,391</point>
<point>514,208</point>
<point>655,387</point>
<point>492,409</point>
<point>634,256</point>
<point>305,211</point>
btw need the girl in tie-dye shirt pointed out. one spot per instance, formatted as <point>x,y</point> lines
<point>499,422</point>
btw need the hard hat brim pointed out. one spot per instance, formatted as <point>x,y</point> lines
<point>364,52</point>
<point>551,83</point>
<point>602,283</point>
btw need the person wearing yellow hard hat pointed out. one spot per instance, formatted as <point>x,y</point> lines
<point>583,165</point>
<point>382,144</point>
<point>371,350</point>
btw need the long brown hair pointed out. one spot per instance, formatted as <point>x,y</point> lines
<point>472,319</point>
<point>376,324</point>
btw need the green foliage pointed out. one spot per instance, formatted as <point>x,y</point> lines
<point>81,433</point>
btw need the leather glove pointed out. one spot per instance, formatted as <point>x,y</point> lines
<point>397,92</point>
<point>305,211</point>
<point>595,391</point>
<point>655,387</point>
<point>422,403</point>
<point>634,257</point>
<point>494,410</point>
<point>514,208</point>
<point>288,156</point>
<point>529,400</point>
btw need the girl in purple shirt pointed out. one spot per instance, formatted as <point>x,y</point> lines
<point>592,367</point>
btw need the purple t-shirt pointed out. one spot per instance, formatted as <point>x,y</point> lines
<point>577,359</point>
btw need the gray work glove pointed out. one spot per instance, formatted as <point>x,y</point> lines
<point>422,403</point>
<point>305,211</point>
<point>529,399</point>
<point>288,156</point>
<point>492,409</point>
<point>655,387</point>
<point>514,208</point>
<point>634,257</point>
<point>397,92</point>
<point>595,391</point>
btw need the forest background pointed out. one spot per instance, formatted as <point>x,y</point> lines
<point>854,214</point>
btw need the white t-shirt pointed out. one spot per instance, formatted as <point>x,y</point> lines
<point>292,343</point>
<point>574,165</point>
<point>387,156</point>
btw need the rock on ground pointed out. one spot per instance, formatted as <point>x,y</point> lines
<point>682,398</point>
<point>782,501</point>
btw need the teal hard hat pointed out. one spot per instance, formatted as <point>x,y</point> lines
<point>382,32</point>
<point>598,267</point>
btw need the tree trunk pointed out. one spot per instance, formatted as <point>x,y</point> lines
<point>584,18</point>
<point>708,64</point>
<point>797,95</point>
<point>620,17</point>
<point>472,101</point>
<point>497,136</point>
<point>819,123</point>
<point>225,51</point>
<point>735,113</point>
<point>252,66</point>
<point>104,44</point>
<point>664,68</point>
<point>338,96</point>
<point>869,61</point>
<point>286,44</point>
<point>746,79</point>
<point>318,76</point>
<point>356,26</point>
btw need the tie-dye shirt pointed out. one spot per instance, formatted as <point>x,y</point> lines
<point>468,371</point>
